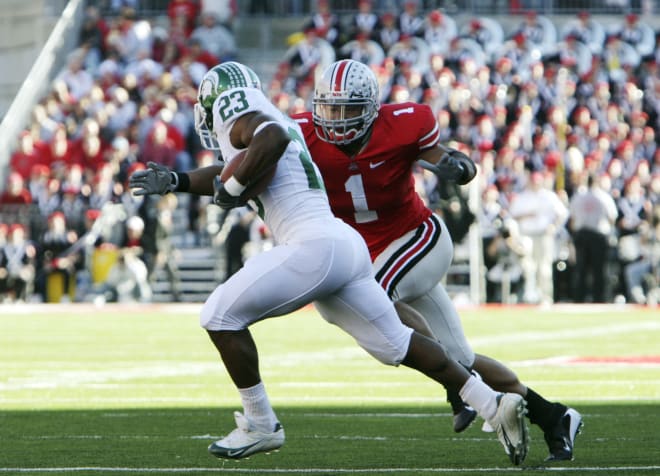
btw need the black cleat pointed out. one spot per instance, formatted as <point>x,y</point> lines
<point>562,437</point>
<point>464,418</point>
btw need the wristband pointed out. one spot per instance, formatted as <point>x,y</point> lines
<point>262,126</point>
<point>234,187</point>
<point>183,182</point>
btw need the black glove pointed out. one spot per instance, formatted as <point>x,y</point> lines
<point>224,199</point>
<point>156,179</point>
<point>454,166</point>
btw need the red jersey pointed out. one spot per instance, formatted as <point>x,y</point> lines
<point>187,9</point>
<point>22,163</point>
<point>374,191</point>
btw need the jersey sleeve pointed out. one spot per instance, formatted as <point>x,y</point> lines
<point>411,124</point>
<point>429,132</point>
<point>306,123</point>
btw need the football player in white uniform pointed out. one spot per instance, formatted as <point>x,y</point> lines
<point>318,258</point>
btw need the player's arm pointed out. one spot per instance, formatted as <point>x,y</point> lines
<point>265,139</point>
<point>201,180</point>
<point>157,179</point>
<point>448,164</point>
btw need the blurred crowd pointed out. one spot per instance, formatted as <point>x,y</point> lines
<point>124,98</point>
<point>561,120</point>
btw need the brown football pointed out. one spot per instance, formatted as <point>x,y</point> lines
<point>254,188</point>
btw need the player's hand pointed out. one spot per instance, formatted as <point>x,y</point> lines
<point>453,165</point>
<point>223,198</point>
<point>155,179</point>
<point>449,167</point>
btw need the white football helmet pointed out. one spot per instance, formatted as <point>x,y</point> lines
<point>220,78</point>
<point>345,102</point>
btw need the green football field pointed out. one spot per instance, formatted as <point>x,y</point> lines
<point>141,390</point>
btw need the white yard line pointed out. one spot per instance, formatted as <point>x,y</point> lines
<point>574,333</point>
<point>231,401</point>
<point>224,469</point>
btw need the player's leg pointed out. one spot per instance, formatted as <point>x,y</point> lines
<point>463,415</point>
<point>410,267</point>
<point>446,324</point>
<point>559,423</point>
<point>498,375</point>
<point>413,319</point>
<point>362,310</point>
<point>256,292</point>
<point>443,319</point>
<point>508,418</point>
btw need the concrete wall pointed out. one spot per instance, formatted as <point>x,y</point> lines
<point>36,35</point>
<point>24,28</point>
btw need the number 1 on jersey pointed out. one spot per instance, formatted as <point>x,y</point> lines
<point>355,187</point>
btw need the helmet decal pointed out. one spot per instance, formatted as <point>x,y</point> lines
<point>339,79</point>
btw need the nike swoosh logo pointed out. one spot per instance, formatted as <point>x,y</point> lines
<point>373,165</point>
<point>232,453</point>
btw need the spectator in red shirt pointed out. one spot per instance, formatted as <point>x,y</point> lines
<point>25,156</point>
<point>195,53</point>
<point>60,152</point>
<point>159,147</point>
<point>16,193</point>
<point>186,9</point>
<point>90,153</point>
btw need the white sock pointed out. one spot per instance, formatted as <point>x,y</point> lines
<point>480,397</point>
<point>257,408</point>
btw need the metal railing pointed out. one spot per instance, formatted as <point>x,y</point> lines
<point>483,7</point>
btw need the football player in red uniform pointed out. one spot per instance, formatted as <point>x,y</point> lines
<point>366,152</point>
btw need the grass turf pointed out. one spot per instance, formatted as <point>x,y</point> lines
<point>140,390</point>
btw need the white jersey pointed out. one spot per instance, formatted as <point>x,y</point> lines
<point>318,258</point>
<point>296,195</point>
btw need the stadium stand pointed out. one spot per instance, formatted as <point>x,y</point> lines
<point>549,96</point>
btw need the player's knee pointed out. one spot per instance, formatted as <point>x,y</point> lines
<point>392,355</point>
<point>387,359</point>
<point>213,319</point>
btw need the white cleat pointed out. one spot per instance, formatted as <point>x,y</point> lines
<point>245,440</point>
<point>509,423</point>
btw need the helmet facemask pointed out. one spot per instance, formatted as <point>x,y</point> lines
<point>342,122</point>
<point>204,127</point>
